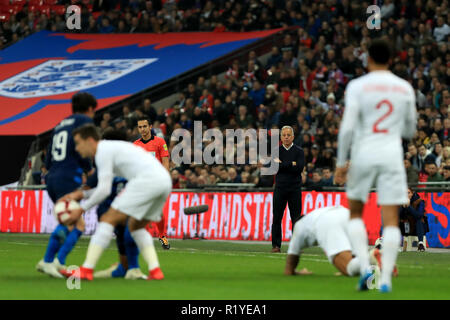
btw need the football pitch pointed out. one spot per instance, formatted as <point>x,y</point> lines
<point>214,270</point>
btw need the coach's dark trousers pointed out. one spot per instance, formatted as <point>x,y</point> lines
<point>281,197</point>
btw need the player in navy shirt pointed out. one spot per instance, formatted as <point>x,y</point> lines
<point>65,169</point>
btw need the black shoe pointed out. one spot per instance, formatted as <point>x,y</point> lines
<point>420,247</point>
<point>276,250</point>
<point>164,242</point>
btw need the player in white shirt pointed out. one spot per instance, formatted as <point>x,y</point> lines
<point>327,228</point>
<point>140,201</point>
<point>380,109</point>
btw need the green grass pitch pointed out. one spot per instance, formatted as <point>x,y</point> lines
<point>210,270</point>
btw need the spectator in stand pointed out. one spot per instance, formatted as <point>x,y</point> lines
<point>316,182</point>
<point>425,156</point>
<point>149,110</point>
<point>244,120</point>
<point>438,153</point>
<point>413,156</point>
<point>233,176</point>
<point>412,173</point>
<point>446,173</point>
<point>442,30</point>
<point>327,177</point>
<point>433,174</point>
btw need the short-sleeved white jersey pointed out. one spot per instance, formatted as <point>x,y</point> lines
<point>380,109</point>
<point>121,159</point>
<point>313,226</point>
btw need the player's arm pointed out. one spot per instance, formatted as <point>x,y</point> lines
<point>410,125</point>
<point>165,163</point>
<point>164,152</point>
<point>96,195</point>
<point>351,114</point>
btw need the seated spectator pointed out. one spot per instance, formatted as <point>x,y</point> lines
<point>412,173</point>
<point>233,176</point>
<point>175,174</point>
<point>316,182</point>
<point>223,176</point>
<point>413,219</point>
<point>433,174</point>
<point>425,156</point>
<point>243,119</point>
<point>413,156</point>
<point>327,177</point>
<point>438,152</point>
<point>446,173</point>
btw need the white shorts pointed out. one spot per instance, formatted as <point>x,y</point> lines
<point>332,236</point>
<point>143,198</point>
<point>390,182</point>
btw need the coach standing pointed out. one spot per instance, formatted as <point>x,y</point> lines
<point>288,183</point>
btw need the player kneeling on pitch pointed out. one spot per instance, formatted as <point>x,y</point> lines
<point>326,227</point>
<point>141,201</point>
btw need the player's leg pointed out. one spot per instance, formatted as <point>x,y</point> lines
<point>391,240</point>
<point>60,233</point>
<point>279,205</point>
<point>161,226</point>
<point>116,270</point>
<point>360,179</point>
<point>392,192</point>
<point>56,188</point>
<point>100,240</point>
<point>132,254</point>
<point>69,243</point>
<point>145,244</point>
<point>122,267</point>
<point>346,263</point>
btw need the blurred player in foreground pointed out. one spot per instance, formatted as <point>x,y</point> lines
<point>326,227</point>
<point>66,168</point>
<point>141,201</point>
<point>380,109</point>
<point>157,147</point>
<point>128,266</point>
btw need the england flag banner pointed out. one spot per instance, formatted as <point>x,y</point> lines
<point>57,77</point>
<point>40,74</point>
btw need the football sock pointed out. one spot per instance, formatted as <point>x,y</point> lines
<point>99,242</point>
<point>68,245</point>
<point>391,238</point>
<point>145,244</point>
<point>353,267</point>
<point>119,272</point>
<point>161,227</point>
<point>57,238</point>
<point>131,250</point>
<point>358,239</point>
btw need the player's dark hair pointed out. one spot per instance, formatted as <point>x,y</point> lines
<point>380,51</point>
<point>114,134</point>
<point>446,167</point>
<point>87,131</point>
<point>143,118</point>
<point>81,101</point>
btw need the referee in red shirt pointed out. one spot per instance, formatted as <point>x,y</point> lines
<point>158,148</point>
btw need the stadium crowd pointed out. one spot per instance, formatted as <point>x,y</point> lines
<point>301,84</point>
